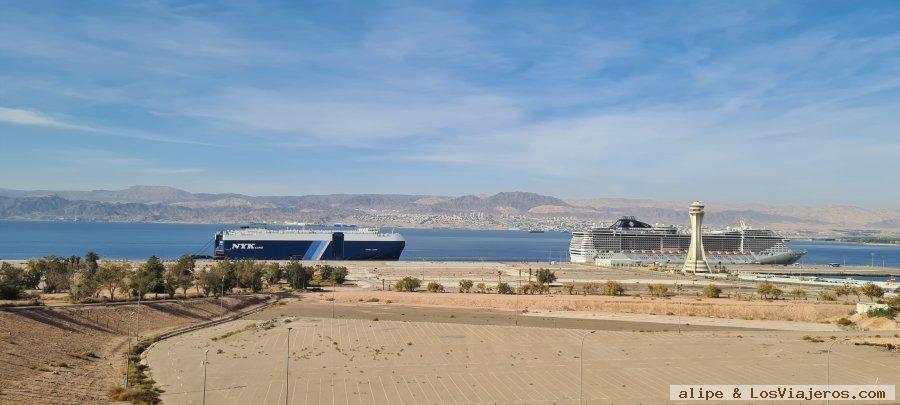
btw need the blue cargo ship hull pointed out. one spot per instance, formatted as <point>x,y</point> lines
<point>309,250</point>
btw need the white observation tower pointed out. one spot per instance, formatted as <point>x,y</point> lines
<point>695,261</point>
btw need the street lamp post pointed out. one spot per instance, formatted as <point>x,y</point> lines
<point>287,370</point>
<point>205,362</point>
<point>581,370</point>
<point>828,367</point>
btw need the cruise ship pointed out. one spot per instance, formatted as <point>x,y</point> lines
<point>308,243</point>
<point>629,242</point>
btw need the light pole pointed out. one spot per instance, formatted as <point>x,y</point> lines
<point>205,362</point>
<point>581,369</point>
<point>287,369</point>
<point>518,291</point>
<point>828,367</point>
<point>332,295</point>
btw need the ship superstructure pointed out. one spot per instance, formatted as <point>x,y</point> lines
<point>629,242</point>
<point>340,243</point>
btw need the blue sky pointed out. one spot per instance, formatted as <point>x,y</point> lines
<point>767,102</point>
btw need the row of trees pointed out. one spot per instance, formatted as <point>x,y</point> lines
<point>84,278</point>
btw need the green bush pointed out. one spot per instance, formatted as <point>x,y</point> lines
<point>545,276</point>
<point>844,322</point>
<point>435,287</point>
<point>712,291</point>
<point>882,312</point>
<point>408,284</point>
<point>12,281</point>
<point>504,288</point>
<point>465,286</point>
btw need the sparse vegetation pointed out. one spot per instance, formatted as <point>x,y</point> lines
<point>408,284</point>
<point>827,295</point>
<point>712,291</point>
<point>844,322</point>
<point>613,288</point>
<point>798,294</point>
<point>465,286</point>
<point>768,290</point>
<point>590,288</point>
<point>480,287</point>
<point>659,290</point>
<point>569,288</point>
<point>545,276</point>
<point>504,288</point>
<point>435,287</point>
<point>882,312</point>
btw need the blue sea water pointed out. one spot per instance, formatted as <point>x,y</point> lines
<point>28,239</point>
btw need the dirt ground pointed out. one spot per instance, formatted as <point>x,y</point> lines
<point>423,355</point>
<point>784,310</point>
<point>74,354</point>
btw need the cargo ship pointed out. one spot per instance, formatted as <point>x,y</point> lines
<point>629,242</point>
<point>339,243</point>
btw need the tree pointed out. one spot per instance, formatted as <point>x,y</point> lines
<point>83,285</point>
<point>111,275</point>
<point>465,286</point>
<point>712,291</point>
<point>91,262</point>
<point>504,288</point>
<point>872,291</point>
<point>12,281</point>
<point>613,288</point>
<point>55,271</point>
<point>798,293</point>
<point>893,302</point>
<point>33,274</point>
<point>273,274</point>
<point>545,276</point>
<point>843,290</point>
<point>435,287</point>
<point>170,280</point>
<point>249,274</point>
<point>153,270</point>
<point>765,289</point>
<point>184,273</point>
<point>298,276</point>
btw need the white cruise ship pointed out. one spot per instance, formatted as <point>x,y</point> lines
<point>629,242</point>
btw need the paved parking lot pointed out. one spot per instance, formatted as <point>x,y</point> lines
<point>353,361</point>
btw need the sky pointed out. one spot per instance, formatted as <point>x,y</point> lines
<point>740,101</point>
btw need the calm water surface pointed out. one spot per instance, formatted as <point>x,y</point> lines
<point>28,239</point>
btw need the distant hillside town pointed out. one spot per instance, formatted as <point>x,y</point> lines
<point>506,210</point>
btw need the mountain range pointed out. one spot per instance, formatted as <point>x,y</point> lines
<point>498,211</point>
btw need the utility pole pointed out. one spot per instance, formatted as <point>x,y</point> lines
<point>581,370</point>
<point>205,362</point>
<point>287,370</point>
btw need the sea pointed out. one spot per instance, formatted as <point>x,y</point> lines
<point>120,240</point>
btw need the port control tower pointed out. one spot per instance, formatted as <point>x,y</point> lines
<point>695,261</point>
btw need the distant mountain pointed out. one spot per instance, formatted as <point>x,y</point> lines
<point>499,211</point>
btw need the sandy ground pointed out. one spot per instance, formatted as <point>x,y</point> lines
<point>779,310</point>
<point>45,354</point>
<point>355,360</point>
